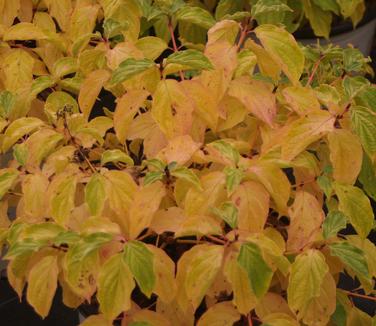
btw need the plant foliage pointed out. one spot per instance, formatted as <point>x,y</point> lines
<point>218,186</point>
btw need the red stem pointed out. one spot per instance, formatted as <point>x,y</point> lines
<point>175,47</point>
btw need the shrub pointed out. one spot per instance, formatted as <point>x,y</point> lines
<point>216,190</point>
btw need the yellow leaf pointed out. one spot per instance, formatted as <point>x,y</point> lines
<point>82,21</point>
<point>275,181</point>
<point>96,320</point>
<point>265,62</point>
<point>151,46</point>
<point>272,303</point>
<point>199,202</point>
<point>252,201</point>
<point>355,204</point>
<point>18,129</point>
<point>121,52</point>
<point>256,96</point>
<point>244,299</point>
<point>146,202</point>
<point>148,317</point>
<point>180,149</point>
<point>221,314</point>
<point>301,99</point>
<point>225,30</point>
<point>126,108</point>
<point>346,155</point>
<point>9,11</point>
<point>62,192</point>
<point>319,19</point>
<point>121,189</point>
<point>39,145</point>
<point>165,285</point>
<point>320,308</point>
<point>306,280</point>
<point>61,10</point>
<point>90,90</point>
<point>24,31</point>
<point>205,102</point>
<point>205,262</point>
<point>34,188</point>
<point>199,225</point>
<point>18,70</point>
<point>304,131</point>
<point>167,220</point>
<point>115,285</point>
<point>283,49</point>
<point>172,108</point>
<point>306,217</point>
<point>175,314</point>
<point>42,284</point>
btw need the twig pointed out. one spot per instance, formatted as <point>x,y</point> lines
<point>249,318</point>
<point>175,47</point>
<point>316,66</point>
<point>368,297</point>
<point>214,239</point>
<point>243,34</point>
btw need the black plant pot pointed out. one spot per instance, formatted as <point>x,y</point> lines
<point>15,313</point>
<point>342,32</point>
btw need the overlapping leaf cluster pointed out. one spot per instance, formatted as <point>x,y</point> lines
<point>218,187</point>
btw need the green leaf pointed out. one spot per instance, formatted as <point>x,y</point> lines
<point>339,317</point>
<point>113,28</point>
<point>7,102</point>
<point>227,150</point>
<point>351,256</point>
<point>186,174</point>
<point>141,263</point>
<point>40,84</point>
<point>270,11</point>
<point>283,49</point>
<point>325,184</point>
<point>367,97</point>
<point>259,273</point>
<point>190,59</point>
<point>234,177</point>
<point>320,20</point>
<point>130,68</point>
<point>18,129</point>
<point>115,285</point>
<point>60,103</point>
<point>115,156</point>
<point>356,206</point>
<point>7,179</point>
<point>348,6</point>
<point>64,66</point>
<point>152,177</point>
<point>20,153</point>
<point>363,122</point>
<point>195,15</point>
<point>354,85</point>
<point>334,222</point>
<point>227,7</point>
<point>81,264</point>
<point>328,5</point>
<point>353,60</point>
<point>95,194</point>
<point>367,177</point>
<point>227,212</point>
<point>155,164</point>
<point>306,278</point>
